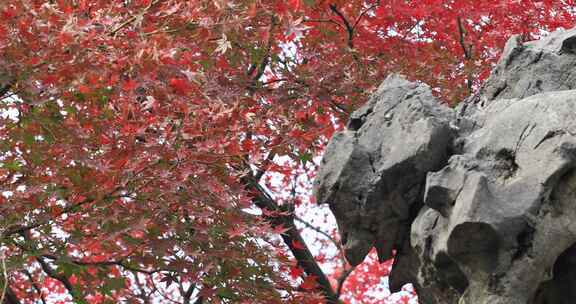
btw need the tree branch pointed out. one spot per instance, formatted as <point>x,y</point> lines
<point>467,52</point>
<point>14,229</point>
<point>61,278</point>
<point>338,108</point>
<point>373,6</point>
<point>260,68</point>
<point>310,226</point>
<point>49,271</point>
<point>344,275</point>
<point>133,18</point>
<point>188,293</point>
<point>11,297</point>
<point>342,278</point>
<point>200,300</point>
<point>349,28</point>
<point>35,285</point>
<point>120,263</point>
<point>462,33</point>
<point>142,293</point>
<point>262,170</point>
<point>5,88</point>
<point>291,237</point>
<point>163,294</point>
<point>4,277</point>
<point>324,21</point>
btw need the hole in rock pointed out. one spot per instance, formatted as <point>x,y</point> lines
<point>355,124</point>
<point>506,163</point>
<point>561,289</point>
<point>569,45</point>
<point>450,273</point>
<point>474,244</point>
<point>524,240</point>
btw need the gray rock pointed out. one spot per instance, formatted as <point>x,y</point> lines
<point>373,173</point>
<point>492,203</point>
<point>529,68</point>
<point>481,206</point>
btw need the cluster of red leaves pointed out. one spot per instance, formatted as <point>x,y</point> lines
<point>132,133</point>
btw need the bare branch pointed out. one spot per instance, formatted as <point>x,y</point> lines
<point>120,262</point>
<point>341,279</point>
<point>4,277</point>
<point>200,300</point>
<point>291,237</point>
<point>467,52</point>
<point>142,293</point>
<point>133,18</point>
<point>188,293</point>
<point>260,68</point>
<point>347,25</point>
<point>35,285</point>
<point>261,171</point>
<point>312,227</point>
<point>461,31</point>
<point>77,296</point>
<point>5,88</point>
<point>373,6</point>
<point>11,297</point>
<point>324,21</point>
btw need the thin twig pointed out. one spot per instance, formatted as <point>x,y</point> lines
<point>119,262</point>
<point>21,228</point>
<point>14,229</point>
<point>35,285</point>
<point>323,21</point>
<point>165,296</point>
<point>373,6</point>
<point>338,108</point>
<point>274,81</point>
<point>133,18</point>
<point>4,277</point>
<point>142,293</point>
<point>312,227</point>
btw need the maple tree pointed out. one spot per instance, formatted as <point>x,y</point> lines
<point>159,150</point>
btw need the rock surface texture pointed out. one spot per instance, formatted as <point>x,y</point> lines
<point>478,203</point>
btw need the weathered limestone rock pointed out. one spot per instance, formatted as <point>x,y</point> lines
<point>480,206</point>
<point>374,187</point>
<point>492,203</point>
<point>529,68</point>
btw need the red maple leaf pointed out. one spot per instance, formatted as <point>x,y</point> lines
<point>180,85</point>
<point>309,282</point>
<point>296,272</point>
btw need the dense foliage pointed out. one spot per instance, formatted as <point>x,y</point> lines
<point>159,150</point>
